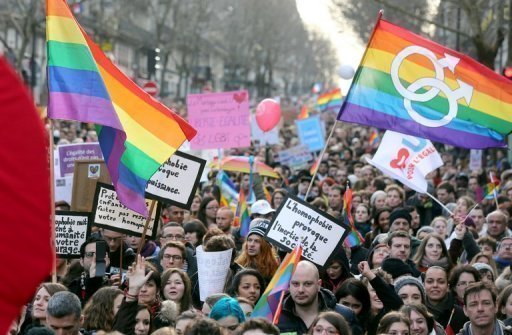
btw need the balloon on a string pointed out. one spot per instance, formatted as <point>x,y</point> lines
<point>268,114</point>
<point>346,72</point>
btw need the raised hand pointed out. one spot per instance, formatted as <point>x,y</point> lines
<point>137,276</point>
<point>365,270</point>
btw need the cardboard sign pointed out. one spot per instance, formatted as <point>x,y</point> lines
<point>296,221</point>
<point>212,268</point>
<point>110,214</point>
<point>296,158</point>
<point>310,133</point>
<point>176,180</point>
<point>85,178</point>
<point>71,230</point>
<point>63,188</point>
<point>475,159</point>
<point>69,153</point>
<point>221,120</point>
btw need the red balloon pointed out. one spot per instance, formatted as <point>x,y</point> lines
<point>268,114</point>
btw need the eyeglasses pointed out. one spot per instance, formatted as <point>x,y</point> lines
<point>174,237</point>
<point>321,330</point>
<point>173,257</point>
<point>89,254</point>
<point>112,239</point>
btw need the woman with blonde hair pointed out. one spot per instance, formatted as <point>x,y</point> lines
<point>432,252</point>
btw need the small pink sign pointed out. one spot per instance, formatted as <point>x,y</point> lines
<point>221,120</point>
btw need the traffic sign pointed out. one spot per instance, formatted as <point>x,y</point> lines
<point>151,88</point>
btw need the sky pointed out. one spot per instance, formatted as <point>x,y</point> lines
<point>315,14</point>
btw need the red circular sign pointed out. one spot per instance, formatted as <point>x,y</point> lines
<point>150,88</point>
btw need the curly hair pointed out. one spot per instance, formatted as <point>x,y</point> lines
<point>265,262</point>
<point>99,310</point>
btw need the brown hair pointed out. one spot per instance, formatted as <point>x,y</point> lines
<point>99,310</point>
<point>334,319</point>
<point>420,253</point>
<point>390,318</point>
<point>186,300</point>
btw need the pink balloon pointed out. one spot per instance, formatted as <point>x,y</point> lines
<point>268,114</point>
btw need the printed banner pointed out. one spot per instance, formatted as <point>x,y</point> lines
<point>298,222</point>
<point>221,120</point>
<point>406,158</point>
<point>71,230</point>
<point>110,214</point>
<point>310,133</point>
<point>297,157</point>
<point>69,153</point>
<point>176,181</point>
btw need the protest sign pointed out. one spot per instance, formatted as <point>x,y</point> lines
<point>71,230</point>
<point>298,222</point>
<point>110,214</point>
<point>310,133</point>
<point>69,153</point>
<point>176,180</point>
<point>87,173</point>
<point>475,159</point>
<point>221,119</point>
<point>63,187</point>
<point>212,268</point>
<point>296,158</point>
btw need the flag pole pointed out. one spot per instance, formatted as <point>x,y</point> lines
<point>146,225</point>
<point>52,197</point>
<point>494,190</point>
<point>275,320</point>
<point>439,202</point>
<point>320,158</point>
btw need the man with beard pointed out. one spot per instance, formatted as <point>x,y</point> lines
<point>307,299</point>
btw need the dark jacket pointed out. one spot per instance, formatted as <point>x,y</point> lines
<point>289,322</point>
<point>85,290</point>
<point>389,298</point>
<point>448,312</point>
<point>467,244</point>
<point>124,321</point>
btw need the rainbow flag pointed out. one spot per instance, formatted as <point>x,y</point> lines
<point>412,85</point>
<point>490,189</point>
<point>354,237</point>
<point>137,134</point>
<point>227,188</point>
<point>374,139</point>
<point>315,165</point>
<point>242,217</point>
<point>331,100</point>
<point>270,303</point>
<point>304,113</point>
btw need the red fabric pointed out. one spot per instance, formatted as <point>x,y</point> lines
<point>448,330</point>
<point>25,205</point>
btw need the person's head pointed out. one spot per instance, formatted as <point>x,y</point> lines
<point>362,213</point>
<point>176,286</point>
<point>194,208</point>
<point>257,326</point>
<point>445,192</point>
<point>335,197</point>
<point>64,313</point>
<point>394,323</point>
<point>464,204</point>
<point>378,199</point>
<point>381,219</point>
<point>194,232</point>
<point>305,284</point>
<point>505,249</point>
<point>176,214</point>
<point>277,197</point>
<point>228,313</point>
<point>262,209</point>
<point>395,196</point>
<point>184,319</point>
<point>224,219</point>
<point>376,303</point>
<point>88,251</point>
<point>142,320</point>
<point>172,255</point>
<point>440,225</point>
<point>210,301</point>
<point>114,239</point>
<point>246,305</point>
<point>331,323</point>
<point>248,283</point>
<point>150,292</point>
<point>436,283</point>
<point>377,255</point>
<point>100,310</point>
<point>400,219</point>
<point>208,210</point>
<point>477,215</point>
<point>399,243</point>
<point>496,224</point>
<point>432,248</point>
<point>504,303</point>
<point>43,293</point>
<point>354,294</point>
<point>410,290</point>
<point>204,326</point>
<point>487,245</point>
<point>422,322</point>
<point>487,272</point>
<point>255,242</point>
<point>172,231</point>
<point>461,277</point>
<point>480,304</point>
<point>423,232</point>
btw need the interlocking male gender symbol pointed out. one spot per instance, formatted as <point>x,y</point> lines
<point>436,85</point>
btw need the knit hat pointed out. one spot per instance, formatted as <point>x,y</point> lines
<point>409,280</point>
<point>375,195</point>
<point>396,267</point>
<point>258,226</point>
<point>400,213</point>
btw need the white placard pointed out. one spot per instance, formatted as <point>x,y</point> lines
<point>475,159</point>
<point>296,221</point>
<point>71,231</point>
<point>63,188</point>
<point>212,269</point>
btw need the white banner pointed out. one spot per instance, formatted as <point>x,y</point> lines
<point>212,270</point>
<point>406,158</point>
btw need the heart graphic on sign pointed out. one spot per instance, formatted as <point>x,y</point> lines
<point>240,97</point>
<point>400,161</point>
<point>94,169</point>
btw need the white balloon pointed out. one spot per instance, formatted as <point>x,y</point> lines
<point>346,72</point>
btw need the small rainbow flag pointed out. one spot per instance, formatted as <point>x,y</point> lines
<point>414,86</point>
<point>374,139</point>
<point>304,113</point>
<point>270,303</point>
<point>491,188</point>
<point>314,167</point>
<point>227,188</point>
<point>354,237</point>
<point>137,134</point>
<point>242,217</point>
<point>331,100</point>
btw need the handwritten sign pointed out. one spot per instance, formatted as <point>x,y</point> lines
<point>212,270</point>
<point>297,221</point>
<point>176,180</point>
<point>297,157</point>
<point>71,230</point>
<point>310,133</point>
<point>69,153</point>
<point>110,214</point>
<point>221,120</point>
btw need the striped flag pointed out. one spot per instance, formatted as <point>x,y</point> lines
<point>304,113</point>
<point>227,188</point>
<point>242,217</point>
<point>354,237</point>
<point>330,101</point>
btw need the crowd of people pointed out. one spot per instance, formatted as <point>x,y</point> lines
<point>425,267</point>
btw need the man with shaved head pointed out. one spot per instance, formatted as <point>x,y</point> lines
<point>307,299</point>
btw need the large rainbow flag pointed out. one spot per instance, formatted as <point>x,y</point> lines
<point>412,85</point>
<point>354,237</point>
<point>270,303</point>
<point>331,100</point>
<point>137,134</point>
